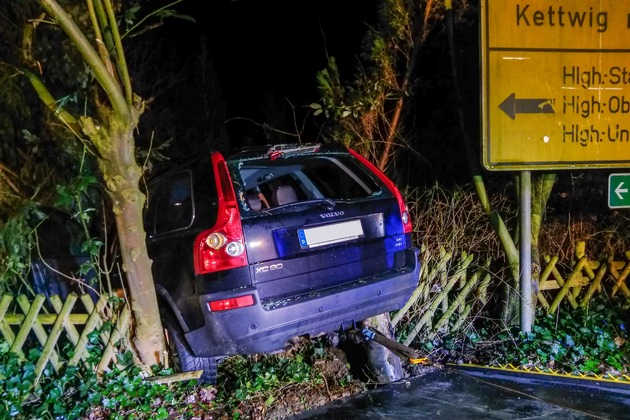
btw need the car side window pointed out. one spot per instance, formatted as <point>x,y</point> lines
<point>173,203</point>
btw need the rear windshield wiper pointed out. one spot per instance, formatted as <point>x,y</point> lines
<point>329,203</point>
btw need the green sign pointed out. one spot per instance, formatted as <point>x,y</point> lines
<point>618,191</point>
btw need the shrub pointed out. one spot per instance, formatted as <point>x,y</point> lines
<point>122,392</point>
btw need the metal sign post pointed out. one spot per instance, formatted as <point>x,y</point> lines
<point>527,310</point>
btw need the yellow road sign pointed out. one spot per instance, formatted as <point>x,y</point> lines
<point>555,84</point>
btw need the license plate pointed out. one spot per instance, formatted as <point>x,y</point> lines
<point>330,234</point>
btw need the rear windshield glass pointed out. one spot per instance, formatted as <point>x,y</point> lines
<point>267,184</point>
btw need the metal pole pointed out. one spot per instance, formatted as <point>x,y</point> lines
<point>526,252</point>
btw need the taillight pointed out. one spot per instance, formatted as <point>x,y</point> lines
<point>231,303</point>
<point>223,246</point>
<point>404,210</point>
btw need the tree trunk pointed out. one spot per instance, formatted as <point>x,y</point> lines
<point>122,174</point>
<point>541,190</point>
<point>384,365</point>
<point>111,134</point>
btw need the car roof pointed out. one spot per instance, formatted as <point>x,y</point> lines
<point>176,166</point>
<point>269,151</point>
<point>273,151</point>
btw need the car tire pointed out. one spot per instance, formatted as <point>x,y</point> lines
<point>181,357</point>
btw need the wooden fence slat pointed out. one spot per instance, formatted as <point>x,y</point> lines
<point>413,299</point>
<point>426,291</point>
<point>482,290</point>
<point>53,337</point>
<point>621,278</point>
<point>579,282</point>
<point>580,250</point>
<point>421,287</point>
<point>461,271</point>
<point>461,297</point>
<point>92,322</point>
<point>462,280</point>
<point>567,286</point>
<point>121,325</point>
<point>5,302</point>
<point>428,314</point>
<point>443,282</point>
<point>545,283</point>
<point>5,329</point>
<point>549,285</point>
<point>617,265</point>
<point>463,317</point>
<point>31,311</point>
<point>104,334</point>
<point>595,285</point>
<point>71,330</point>
<point>37,327</point>
<point>46,319</point>
<point>562,283</point>
<point>441,266</point>
<point>89,304</point>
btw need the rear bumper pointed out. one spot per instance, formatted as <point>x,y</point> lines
<point>258,329</point>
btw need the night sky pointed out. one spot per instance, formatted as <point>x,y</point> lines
<point>272,47</point>
<point>266,54</point>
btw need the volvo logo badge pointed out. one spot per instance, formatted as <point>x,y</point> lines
<point>331,214</point>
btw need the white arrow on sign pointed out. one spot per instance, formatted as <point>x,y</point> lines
<point>620,190</point>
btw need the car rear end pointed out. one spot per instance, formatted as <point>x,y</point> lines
<point>309,240</point>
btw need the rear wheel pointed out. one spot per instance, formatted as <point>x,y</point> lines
<point>182,357</point>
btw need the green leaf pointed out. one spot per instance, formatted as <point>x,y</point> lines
<point>162,413</point>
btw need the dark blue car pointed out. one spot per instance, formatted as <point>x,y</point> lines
<point>271,243</point>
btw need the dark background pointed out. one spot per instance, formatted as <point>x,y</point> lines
<point>278,46</point>
<point>266,53</point>
<point>264,56</point>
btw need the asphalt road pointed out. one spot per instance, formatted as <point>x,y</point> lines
<point>475,393</point>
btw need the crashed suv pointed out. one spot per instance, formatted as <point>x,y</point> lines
<point>271,243</point>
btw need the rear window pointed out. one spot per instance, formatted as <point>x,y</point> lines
<point>267,183</point>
